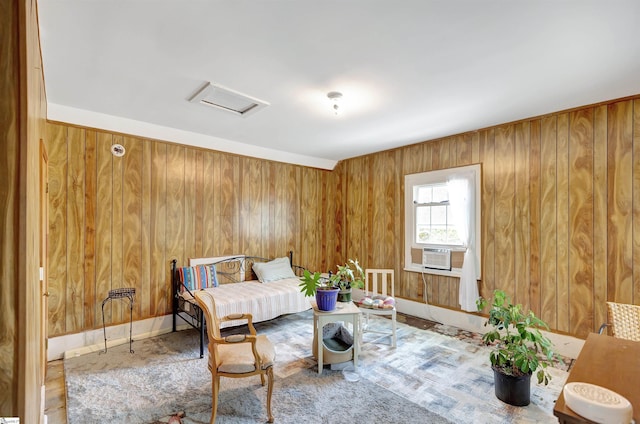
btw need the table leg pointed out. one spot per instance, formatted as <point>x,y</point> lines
<point>319,344</point>
<point>356,340</point>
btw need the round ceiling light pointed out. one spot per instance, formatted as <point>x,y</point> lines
<point>335,97</point>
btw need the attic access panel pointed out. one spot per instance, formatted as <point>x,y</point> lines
<point>223,98</point>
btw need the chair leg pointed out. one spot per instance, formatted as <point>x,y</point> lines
<point>269,392</point>
<point>215,388</point>
<point>393,329</point>
<point>262,379</point>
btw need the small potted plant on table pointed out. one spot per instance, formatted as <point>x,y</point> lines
<point>322,288</point>
<point>349,276</point>
<point>519,349</point>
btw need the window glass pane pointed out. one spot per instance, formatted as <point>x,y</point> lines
<point>423,220</point>
<point>439,215</point>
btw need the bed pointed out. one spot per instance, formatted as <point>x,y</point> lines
<point>265,288</point>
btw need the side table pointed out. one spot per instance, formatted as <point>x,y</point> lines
<point>123,293</point>
<point>344,312</point>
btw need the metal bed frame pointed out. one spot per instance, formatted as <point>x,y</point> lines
<point>232,269</point>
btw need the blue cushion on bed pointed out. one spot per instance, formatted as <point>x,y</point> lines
<point>198,277</point>
<point>277,269</point>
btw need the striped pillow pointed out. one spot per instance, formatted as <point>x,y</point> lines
<point>198,277</point>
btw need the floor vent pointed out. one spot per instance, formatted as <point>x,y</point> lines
<point>228,100</point>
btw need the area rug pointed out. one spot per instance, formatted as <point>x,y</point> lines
<point>429,377</point>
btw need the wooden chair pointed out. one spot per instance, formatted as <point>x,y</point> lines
<point>624,320</point>
<point>238,355</point>
<point>379,282</point>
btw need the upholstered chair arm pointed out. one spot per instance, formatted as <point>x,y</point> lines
<point>238,317</point>
<point>236,339</point>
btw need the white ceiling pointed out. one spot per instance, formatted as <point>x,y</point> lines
<point>409,70</point>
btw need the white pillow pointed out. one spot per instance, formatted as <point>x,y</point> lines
<point>277,269</point>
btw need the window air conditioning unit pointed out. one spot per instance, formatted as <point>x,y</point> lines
<point>436,258</point>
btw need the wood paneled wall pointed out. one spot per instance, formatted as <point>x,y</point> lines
<point>560,212</point>
<point>560,215</point>
<point>22,114</point>
<point>118,222</point>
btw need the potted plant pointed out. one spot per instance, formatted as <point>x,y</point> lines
<point>349,276</point>
<point>322,288</point>
<point>519,349</point>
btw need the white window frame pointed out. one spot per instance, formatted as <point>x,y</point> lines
<point>436,177</point>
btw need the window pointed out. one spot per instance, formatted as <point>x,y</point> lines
<point>433,215</point>
<point>441,213</point>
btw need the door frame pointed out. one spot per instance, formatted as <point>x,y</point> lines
<point>44,237</point>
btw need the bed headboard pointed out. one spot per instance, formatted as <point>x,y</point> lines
<point>237,268</point>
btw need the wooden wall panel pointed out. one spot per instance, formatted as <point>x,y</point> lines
<point>159,296</point>
<point>90,203</point>
<point>57,151</point>
<point>548,222</point>
<point>487,158</point>
<point>504,207</point>
<point>74,298</point>
<point>636,201</point>
<point>146,287</point>
<point>600,213</point>
<point>620,192</point>
<point>562,221</point>
<point>190,218</point>
<point>132,223</point>
<point>581,221</point>
<point>534,217</point>
<point>210,203</point>
<point>522,239</point>
<point>117,235</point>
<point>104,211</point>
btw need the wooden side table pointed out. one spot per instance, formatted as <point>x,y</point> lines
<point>344,312</point>
<point>607,362</point>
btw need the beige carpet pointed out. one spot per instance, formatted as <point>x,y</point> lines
<point>429,377</point>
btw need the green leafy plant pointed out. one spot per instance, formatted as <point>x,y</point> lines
<point>519,347</point>
<point>349,276</point>
<point>310,283</point>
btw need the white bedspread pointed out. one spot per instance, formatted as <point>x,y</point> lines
<point>264,301</point>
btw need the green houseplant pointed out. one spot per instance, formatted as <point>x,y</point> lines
<point>349,276</point>
<point>519,348</point>
<point>322,288</point>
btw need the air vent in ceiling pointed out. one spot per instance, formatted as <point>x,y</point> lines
<point>229,100</point>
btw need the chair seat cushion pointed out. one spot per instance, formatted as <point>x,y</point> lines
<point>377,302</point>
<point>237,358</point>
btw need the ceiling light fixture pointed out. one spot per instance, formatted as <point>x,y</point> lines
<point>335,97</point>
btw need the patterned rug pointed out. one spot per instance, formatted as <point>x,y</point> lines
<point>429,378</point>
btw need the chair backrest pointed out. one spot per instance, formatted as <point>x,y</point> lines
<point>379,282</point>
<point>208,306</point>
<point>624,320</point>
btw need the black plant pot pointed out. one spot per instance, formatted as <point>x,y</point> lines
<point>513,390</point>
<point>344,295</point>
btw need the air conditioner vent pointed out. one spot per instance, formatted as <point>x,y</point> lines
<point>223,98</point>
<point>436,258</point>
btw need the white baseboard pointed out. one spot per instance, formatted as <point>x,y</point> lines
<point>564,345</point>
<point>92,341</point>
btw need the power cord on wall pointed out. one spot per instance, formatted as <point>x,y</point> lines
<point>426,299</point>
